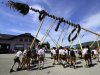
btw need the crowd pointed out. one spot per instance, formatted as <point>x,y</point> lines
<point>29,55</point>
<point>67,56</point>
<point>62,56</point>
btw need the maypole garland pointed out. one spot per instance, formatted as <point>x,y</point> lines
<point>24,9</point>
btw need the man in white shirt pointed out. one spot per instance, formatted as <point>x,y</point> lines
<point>85,55</point>
<point>41,55</point>
<point>62,57</point>
<point>53,51</point>
<point>17,59</point>
<point>67,51</point>
<point>84,51</point>
<point>72,58</point>
<point>96,54</point>
<point>24,58</point>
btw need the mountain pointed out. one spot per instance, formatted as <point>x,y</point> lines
<point>88,43</point>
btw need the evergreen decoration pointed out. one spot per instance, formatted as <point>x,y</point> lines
<point>21,7</point>
<point>77,33</point>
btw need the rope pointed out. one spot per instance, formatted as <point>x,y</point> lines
<point>60,34</point>
<point>80,42</point>
<point>57,45</point>
<point>71,42</point>
<point>98,43</point>
<point>48,31</point>
<point>37,33</point>
<point>64,35</point>
<point>94,42</point>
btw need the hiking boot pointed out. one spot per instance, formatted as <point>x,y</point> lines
<point>53,63</point>
<point>11,70</point>
<point>18,69</point>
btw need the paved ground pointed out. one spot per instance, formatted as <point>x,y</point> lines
<point>6,61</point>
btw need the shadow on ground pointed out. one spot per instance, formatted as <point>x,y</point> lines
<point>43,68</point>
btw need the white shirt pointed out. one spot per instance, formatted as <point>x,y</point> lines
<point>84,51</point>
<point>53,51</point>
<point>95,51</point>
<point>19,53</point>
<point>62,52</point>
<point>41,52</point>
<point>66,51</point>
<point>75,51</point>
<point>37,49</point>
<point>25,51</point>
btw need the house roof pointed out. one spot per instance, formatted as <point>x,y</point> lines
<point>10,37</point>
<point>6,36</point>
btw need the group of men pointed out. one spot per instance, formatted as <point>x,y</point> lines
<point>27,56</point>
<point>64,56</point>
<point>67,56</point>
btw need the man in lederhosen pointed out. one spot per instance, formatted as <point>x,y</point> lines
<point>89,56</point>
<point>85,55</point>
<point>41,55</point>
<point>57,55</point>
<point>79,53</point>
<point>24,59</point>
<point>67,51</point>
<point>62,56</point>
<point>17,60</point>
<point>53,51</point>
<point>72,58</point>
<point>28,57</point>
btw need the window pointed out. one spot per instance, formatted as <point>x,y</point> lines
<point>19,46</point>
<point>28,45</point>
<point>26,40</point>
<point>0,46</point>
<point>7,47</point>
<point>21,40</point>
<point>30,40</point>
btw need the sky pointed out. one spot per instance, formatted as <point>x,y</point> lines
<point>83,12</point>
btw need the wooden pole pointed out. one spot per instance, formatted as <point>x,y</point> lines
<point>90,31</point>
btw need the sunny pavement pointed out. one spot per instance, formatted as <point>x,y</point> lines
<point>6,61</point>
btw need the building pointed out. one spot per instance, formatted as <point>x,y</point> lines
<point>15,42</point>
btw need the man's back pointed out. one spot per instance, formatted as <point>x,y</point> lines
<point>72,53</point>
<point>41,52</point>
<point>19,53</point>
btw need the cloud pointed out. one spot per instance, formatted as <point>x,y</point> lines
<point>16,31</point>
<point>33,32</point>
<point>33,14</point>
<point>47,3</point>
<point>91,21</point>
